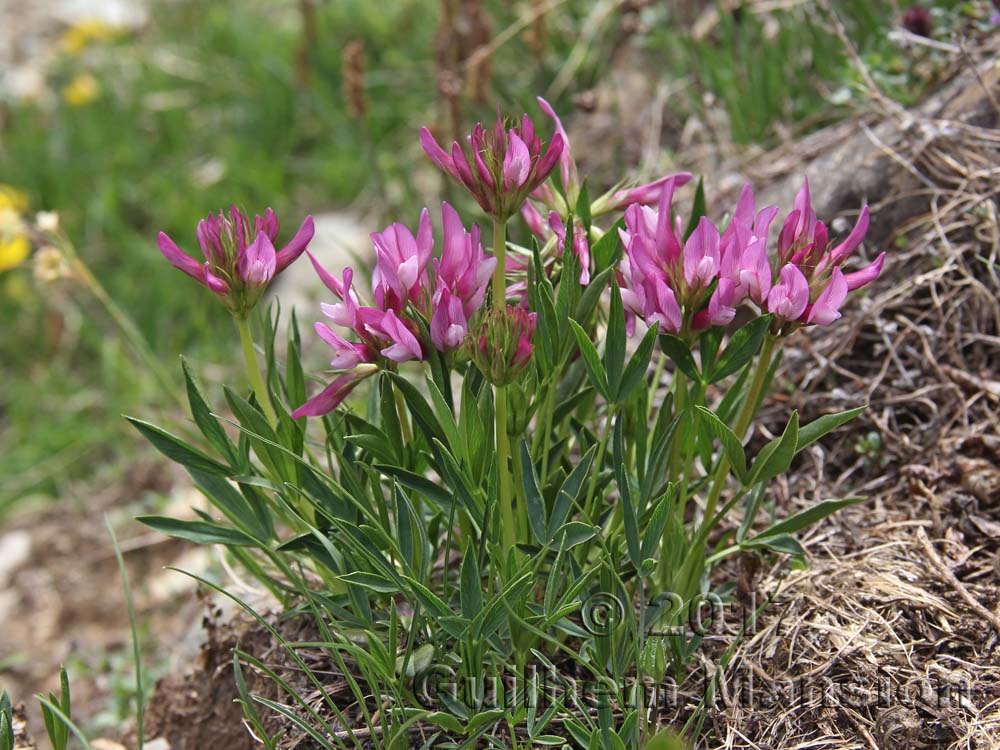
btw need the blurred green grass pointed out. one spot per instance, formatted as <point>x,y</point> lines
<point>206,105</point>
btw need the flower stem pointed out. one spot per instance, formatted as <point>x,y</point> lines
<point>507,520</point>
<point>253,370</point>
<point>747,412</point>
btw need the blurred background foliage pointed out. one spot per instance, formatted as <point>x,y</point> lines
<point>314,105</point>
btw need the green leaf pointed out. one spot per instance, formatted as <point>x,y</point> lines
<point>816,429</point>
<point>419,408</point>
<point>404,527</point>
<point>607,250</point>
<point>631,523</point>
<point>370,581</point>
<point>576,532</point>
<point>295,379</point>
<point>446,418</point>
<point>199,532</point>
<point>731,445</point>
<point>668,739</point>
<point>698,208</point>
<point>591,359</point>
<point>775,457</point>
<point>807,517</point>
<point>657,523</point>
<point>614,344</point>
<point>569,493</point>
<point>495,612</point>
<point>582,208</point>
<point>237,508</point>
<point>784,543</point>
<point>471,593</point>
<point>742,347</point>
<point>261,436</point>
<point>385,443</point>
<point>176,449</point>
<point>208,424</point>
<point>417,483</point>
<point>533,495</point>
<point>446,721</point>
<point>637,366</point>
<point>680,354</point>
<point>708,347</point>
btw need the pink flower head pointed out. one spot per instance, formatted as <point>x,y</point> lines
<point>506,164</point>
<point>401,344</point>
<point>826,308</point>
<point>502,346</point>
<point>789,298</point>
<point>401,262</point>
<point>744,249</point>
<point>801,232</point>
<point>666,280</point>
<point>449,324</point>
<point>463,268</point>
<point>702,260</point>
<point>240,258</point>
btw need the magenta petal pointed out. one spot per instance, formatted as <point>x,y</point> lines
<point>332,396</point>
<point>516,162</point>
<point>330,281</point>
<point>866,275</point>
<point>789,298</point>
<point>848,246</point>
<point>179,258</point>
<point>290,252</point>
<point>256,265</point>
<point>648,192</point>
<point>533,218</point>
<point>548,161</point>
<point>438,155</point>
<point>568,166</point>
<point>826,309</point>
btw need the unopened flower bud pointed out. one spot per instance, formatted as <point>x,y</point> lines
<point>502,346</point>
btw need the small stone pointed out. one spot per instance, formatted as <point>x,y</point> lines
<point>15,548</point>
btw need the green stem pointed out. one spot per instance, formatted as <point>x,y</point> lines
<point>404,423</point>
<point>507,520</point>
<point>253,370</point>
<point>747,412</point>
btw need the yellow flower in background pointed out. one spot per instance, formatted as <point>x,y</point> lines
<point>83,89</point>
<point>82,33</point>
<point>11,197</point>
<point>14,243</point>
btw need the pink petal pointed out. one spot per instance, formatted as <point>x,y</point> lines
<point>290,252</point>
<point>866,275</point>
<point>332,396</point>
<point>826,309</point>
<point>179,258</point>
<point>438,155</point>
<point>257,263</point>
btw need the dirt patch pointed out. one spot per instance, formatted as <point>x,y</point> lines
<point>62,601</point>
